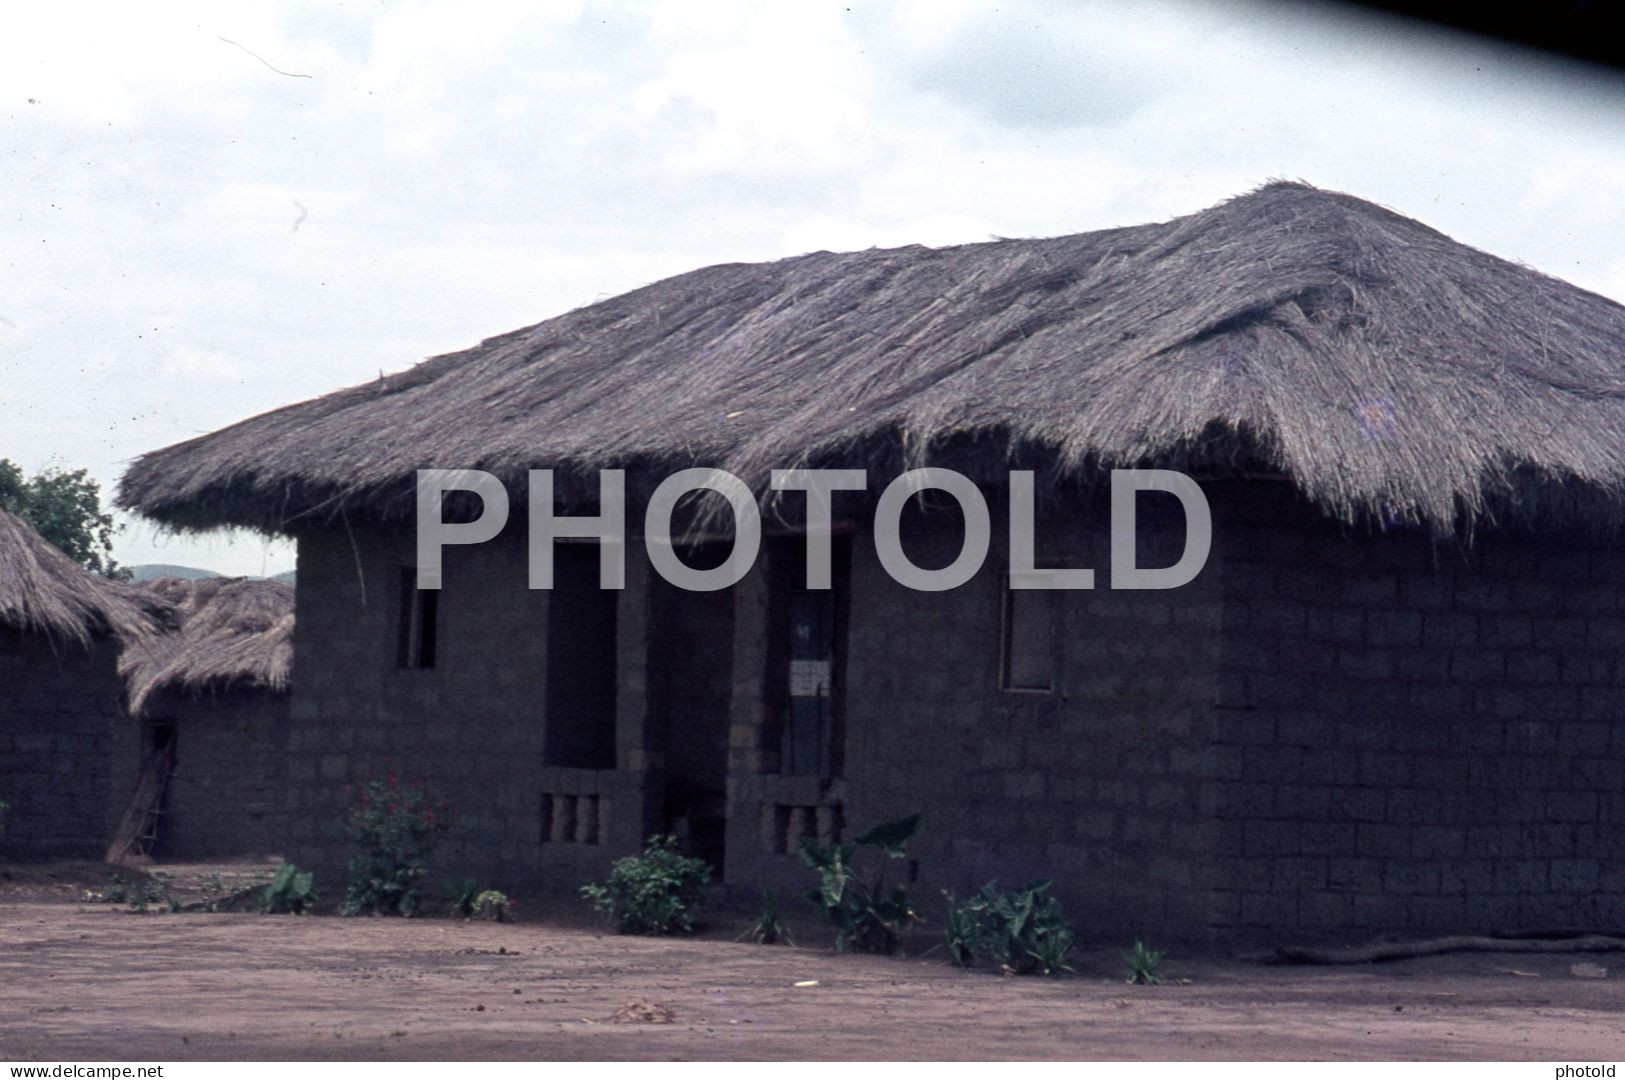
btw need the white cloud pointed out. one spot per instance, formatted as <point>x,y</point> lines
<point>105,62</point>
<point>786,89</point>
<point>203,365</point>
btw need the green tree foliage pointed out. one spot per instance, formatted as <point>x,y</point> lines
<point>65,507</point>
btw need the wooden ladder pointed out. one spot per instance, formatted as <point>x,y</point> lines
<point>138,830</point>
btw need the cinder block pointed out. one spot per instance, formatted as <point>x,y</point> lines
<point>1438,842</point>
<point>1571,806</point>
<point>1383,841</point>
<point>1409,878</point>
<point>1449,630</point>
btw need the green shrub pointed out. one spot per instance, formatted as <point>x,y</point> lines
<point>1143,963</point>
<point>140,891</point>
<point>1021,931</point>
<point>116,892</point>
<point>146,892</point>
<point>769,928</point>
<point>868,916</point>
<point>394,827</point>
<point>652,893</point>
<point>291,892</point>
<point>460,897</point>
<point>492,905</point>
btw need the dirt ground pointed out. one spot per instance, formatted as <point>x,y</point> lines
<point>83,981</point>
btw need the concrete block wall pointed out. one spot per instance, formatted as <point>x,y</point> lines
<point>1097,785</point>
<point>66,747</point>
<point>1416,736</point>
<point>227,795</point>
<point>1324,732</point>
<point>472,727</point>
<point>464,727</point>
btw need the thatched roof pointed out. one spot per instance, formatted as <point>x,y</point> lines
<point>1384,368</point>
<point>43,591</point>
<point>234,633</point>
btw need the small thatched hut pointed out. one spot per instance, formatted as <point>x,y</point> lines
<point>1392,699</point>
<point>212,703</point>
<point>65,747</point>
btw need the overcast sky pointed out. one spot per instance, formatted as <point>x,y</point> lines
<point>213,210</point>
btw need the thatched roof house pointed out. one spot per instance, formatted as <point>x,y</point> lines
<point>63,734</point>
<point>235,633</point>
<point>212,702</point>
<point>42,591</point>
<point>1388,370</point>
<point>1348,720</point>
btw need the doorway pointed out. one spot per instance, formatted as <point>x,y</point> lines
<point>806,659</point>
<point>692,693</point>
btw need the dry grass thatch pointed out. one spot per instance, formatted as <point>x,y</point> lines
<point>43,591</point>
<point>234,632</point>
<point>1389,371</point>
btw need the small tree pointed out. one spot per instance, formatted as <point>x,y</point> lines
<point>65,507</point>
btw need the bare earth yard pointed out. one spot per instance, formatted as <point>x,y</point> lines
<point>84,981</point>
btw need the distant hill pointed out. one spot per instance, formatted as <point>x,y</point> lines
<point>287,577</point>
<point>154,571</point>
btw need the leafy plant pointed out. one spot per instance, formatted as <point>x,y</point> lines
<point>139,893</point>
<point>1022,931</point>
<point>493,905</point>
<point>961,932</point>
<point>652,893</point>
<point>291,892</point>
<point>461,895</point>
<point>769,928</point>
<point>65,507</point>
<point>1143,963</point>
<point>868,916</point>
<point>218,896</point>
<point>394,827</point>
<point>145,893</point>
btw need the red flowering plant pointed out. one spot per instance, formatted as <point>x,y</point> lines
<point>394,827</point>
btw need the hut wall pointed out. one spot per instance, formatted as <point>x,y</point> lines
<point>226,796</point>
<point>1096,783</point>
<point>472,726</point>
<point>1416,736</point>
<point>64,745</point>
<point>1324,732</point>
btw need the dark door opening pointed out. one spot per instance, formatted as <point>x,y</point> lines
<point>694,633</point>
<point>581,663</point>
